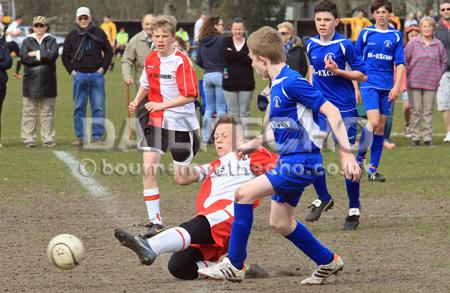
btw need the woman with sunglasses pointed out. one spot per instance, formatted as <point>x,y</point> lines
<point>293,47</point>
<point>39,52</point>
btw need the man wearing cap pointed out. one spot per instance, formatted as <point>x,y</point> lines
<point>133,60</point>
<point>87,55</point>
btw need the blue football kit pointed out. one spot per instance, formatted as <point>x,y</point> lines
<point>381,50</point>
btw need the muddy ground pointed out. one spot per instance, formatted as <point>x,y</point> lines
<point>400,246</point>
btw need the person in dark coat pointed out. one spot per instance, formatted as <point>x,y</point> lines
<point>238,80</point>
<point>38,53</point>
<point>87,55</point>
<point>5,64</point>
<point>293,46</point>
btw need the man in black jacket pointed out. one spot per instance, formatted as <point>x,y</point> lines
<point>443,94</point>
<point>87,55</point>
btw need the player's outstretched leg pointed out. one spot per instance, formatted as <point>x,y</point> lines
<point>322,272</point>
<point>138,244</point>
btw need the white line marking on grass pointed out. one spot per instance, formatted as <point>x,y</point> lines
<point>94,188</point>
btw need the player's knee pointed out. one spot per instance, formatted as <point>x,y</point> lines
<point>182,270</point>
<point>281,227</point>
<point>181,180</point>
<point>241,196</point>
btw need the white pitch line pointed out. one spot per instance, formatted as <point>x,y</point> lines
<point>94,188</point>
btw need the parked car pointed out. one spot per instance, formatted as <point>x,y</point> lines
<point>26,30</point>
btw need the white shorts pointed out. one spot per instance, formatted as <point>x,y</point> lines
<point>443,93</point>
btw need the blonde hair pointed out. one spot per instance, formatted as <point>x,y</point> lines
<point>287,25</point>
<point>165,22</point>
<point>427,19</point>
<point>229,119</point>
<point>266,42</point>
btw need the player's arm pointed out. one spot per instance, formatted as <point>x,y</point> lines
<point>399,56</point>
<point>348,161</point>
<point>310,74</point>
<point>141,93</point>
<point>395,91</point>
<point>192,173</point>
<point>331,66</point>
<point>357,91</point>
<point>252,145</point>
<point>179,101</point>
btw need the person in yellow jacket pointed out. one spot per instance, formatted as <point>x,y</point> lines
<point>110,30</point>
<point>357,23</point>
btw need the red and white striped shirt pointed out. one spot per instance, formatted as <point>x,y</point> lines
<point>167,78</point>
<point>225,175</point>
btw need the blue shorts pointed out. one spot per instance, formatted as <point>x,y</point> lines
<point>292,174</point>
<point>375,99</point>
<point>350,121</point>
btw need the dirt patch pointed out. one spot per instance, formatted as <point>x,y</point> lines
<point>402,246</point>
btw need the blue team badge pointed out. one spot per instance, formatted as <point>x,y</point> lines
<point>277,101</point>
<point>329,56</point>
<point>387,44</point>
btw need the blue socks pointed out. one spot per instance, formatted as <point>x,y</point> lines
<point>240,232</point>
<point>375,153</point>
<point>320,185</point>
<point>305,241</point>
<point>353,194</point>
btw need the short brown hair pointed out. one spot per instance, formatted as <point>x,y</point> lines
<point>266,42</point>
<point>165,21</point>
<point>227,119</point>
<point>376,4</point>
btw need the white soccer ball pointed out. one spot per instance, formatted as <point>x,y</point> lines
<point>65,251</point>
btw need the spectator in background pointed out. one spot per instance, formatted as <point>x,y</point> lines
<point>418,16</point>
<point>180,45</point>
<point>395,21</point>
<point>357,23</point>
<point>293,47</point>
<point>12,33</point>
<point>238,79</point>
<point>5,64</point>
<point>110,30</point>
<point>411,32</point>
<point>197,27</point>
<point>433,15</point>
<point>210,58</point>
<point>410,20</point>
<point>121,41</point>
<point>86,56</point>
<point>443,93</point>
<point>39,52</point>
<point>184,36</point>
<point>133,61</point>
<point>426,61</point>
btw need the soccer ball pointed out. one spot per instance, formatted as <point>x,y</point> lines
<point>65,251</point>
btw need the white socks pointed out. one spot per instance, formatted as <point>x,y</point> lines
<point>151,198</point>
<point>171,240</point>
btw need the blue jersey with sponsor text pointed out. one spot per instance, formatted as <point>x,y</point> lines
<point>294,105</point>
<point>336,89</point>
<point>381,51</point>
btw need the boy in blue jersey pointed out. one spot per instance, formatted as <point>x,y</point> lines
<point>382,49</point>
<point>329,54</point>
<point>294,128</point>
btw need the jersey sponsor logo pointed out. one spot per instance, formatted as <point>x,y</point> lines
<point>387,44</point>
<point>161,76</point>
<point>277,101</point>
<point>371,43</point>
<point>280,124</point>
<point>323,72</point>
<point>379,56</point>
